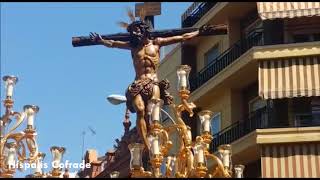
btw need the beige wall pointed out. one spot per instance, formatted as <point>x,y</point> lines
<point>237,109</point>
<point>206,43</point>
<point>167,70</point>
<point>221,102</point>
<point>233,30</point>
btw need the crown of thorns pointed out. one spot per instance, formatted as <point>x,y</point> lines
<point>140,22</point>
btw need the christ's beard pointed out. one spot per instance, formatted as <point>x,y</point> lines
<point>136,40</point>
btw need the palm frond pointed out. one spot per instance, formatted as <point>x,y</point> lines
<point>130,14</point>
<point>123,24</point>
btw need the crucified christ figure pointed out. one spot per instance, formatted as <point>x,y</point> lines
<point>145,52</point>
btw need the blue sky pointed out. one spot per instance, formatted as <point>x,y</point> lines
<point>70,85</point>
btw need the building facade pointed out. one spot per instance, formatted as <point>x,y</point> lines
<point>261,80</point>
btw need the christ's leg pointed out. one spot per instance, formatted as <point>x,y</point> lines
<point>155,95</point>
<point>140,122</point>
<point>155,92</point>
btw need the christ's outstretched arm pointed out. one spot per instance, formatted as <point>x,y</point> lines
<point>110,43</point>
<point>175,39</point>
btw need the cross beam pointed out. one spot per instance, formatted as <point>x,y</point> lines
<point>211,30</point>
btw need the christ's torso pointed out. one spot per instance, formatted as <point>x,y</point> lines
<point>146,60</point>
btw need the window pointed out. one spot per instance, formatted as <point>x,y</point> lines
<point>306,37</point>
<point>306,111</point>
<point>257,111</point>
<point>316,37</point>
<point>315,105</point>
<point>216,123</point>
<point>256,104</point>
<point>315,108</point>
<point>211,55</point>
<point>256,25</point>
<point>301,38</point>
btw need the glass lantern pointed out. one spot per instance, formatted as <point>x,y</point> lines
<point>11,151</point>
<point>57,154</point>
<point>199,149</point>
<point>238,169</point>
<point>155,145</point>
<point>114,174</point>
<point>154,109</point>
<point>205,118</point>
<point>30,111</point>
<point>183,72</point>
<point>136,150</point>
<point>10,81</point>
<point>225,151</point>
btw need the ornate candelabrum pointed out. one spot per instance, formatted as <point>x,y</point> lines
<point>192,158</point>
<point>14,145</point>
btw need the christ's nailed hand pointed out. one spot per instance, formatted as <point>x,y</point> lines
<point>95,37</point>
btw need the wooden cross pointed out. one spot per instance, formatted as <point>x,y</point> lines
<point>213,30</point>
<point>152,9</point>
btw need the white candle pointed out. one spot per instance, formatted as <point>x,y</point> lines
<point>114,174</point>
<point>38,167</point>
<point>30,115</point>
<point>57,156</point>
<point>183,79</point>
<point>238,174</point>
<point>1,128</point>
<point>239,171</point>
<point>206,126</point>
<point>136,157</point>
<point>30,120</point>
<point>206,123</point>
<point>155,146</point>
<point>202,123</point>
<point>11,157</point>
<point>10,89</point>
<point>200,156</point>
<point>226,159</point>
<point>156,113</point>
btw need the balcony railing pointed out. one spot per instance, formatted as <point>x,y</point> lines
<point>195,12</point>
<point>261,119</point>
<point>226,58</point>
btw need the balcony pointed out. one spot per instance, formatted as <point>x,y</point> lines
<point>195,12</point>
<point>261,119</point>
<point>226,58</point>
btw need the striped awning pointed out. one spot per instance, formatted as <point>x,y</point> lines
<point>301,160</point>
<point>272,10</point>
<point>290,77</point>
